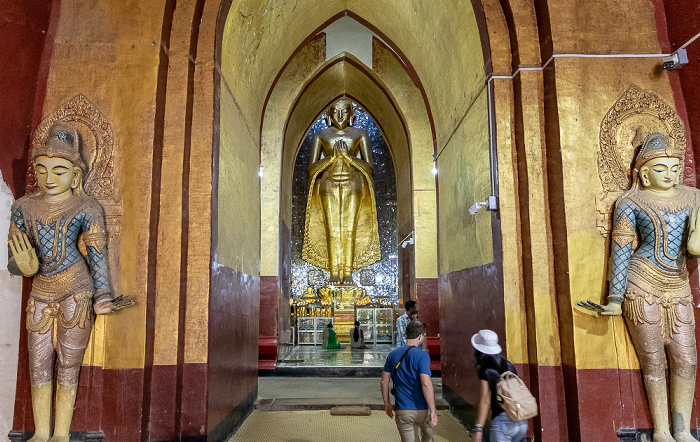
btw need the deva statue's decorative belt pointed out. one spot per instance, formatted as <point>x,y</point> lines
<point>654,296</point>
<point>57,287</point>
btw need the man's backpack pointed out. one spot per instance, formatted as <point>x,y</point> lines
<point>514,397</point>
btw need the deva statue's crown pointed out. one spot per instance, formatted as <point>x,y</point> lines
<point>62,142</point>
<point>656,145</point>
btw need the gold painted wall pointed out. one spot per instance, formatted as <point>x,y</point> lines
<point>101,51</point>
<point>511,244</point>
<point>94,41</point>
<point>586,89</point>
<point>410,102</point>
<point>275,194</point>
<point>465,178</point>
<point>239,191</point>
<point>584,98</point>
<point>413,24</point>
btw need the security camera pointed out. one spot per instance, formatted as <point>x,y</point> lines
<point>491,204</point>
<point>476,207</point>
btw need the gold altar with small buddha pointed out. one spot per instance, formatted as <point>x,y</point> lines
<point>342,305</point>
<point>345,297</point>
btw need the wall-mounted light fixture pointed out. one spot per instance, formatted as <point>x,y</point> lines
<point>260,171</point>
<point>434,169</point>
<point>491,204</point>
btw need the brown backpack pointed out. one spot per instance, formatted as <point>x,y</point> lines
<point>514,397</point>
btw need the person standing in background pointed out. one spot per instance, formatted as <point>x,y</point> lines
<point>403,321</point>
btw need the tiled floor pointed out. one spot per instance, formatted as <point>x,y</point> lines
<point>320,426</point>
<point>317,393</point>
<point>315,356</point>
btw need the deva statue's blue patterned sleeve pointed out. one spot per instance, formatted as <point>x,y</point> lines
<point>623,235</point>
<point>95,238</point>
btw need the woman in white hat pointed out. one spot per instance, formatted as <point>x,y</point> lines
<point>490,364</point>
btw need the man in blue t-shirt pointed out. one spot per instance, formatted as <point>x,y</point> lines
<point>413,389</point>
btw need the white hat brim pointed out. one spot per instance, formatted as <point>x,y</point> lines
<point>486,349</point>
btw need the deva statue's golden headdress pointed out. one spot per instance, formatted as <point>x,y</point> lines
<point>656,145</point>
<point>62,142</point>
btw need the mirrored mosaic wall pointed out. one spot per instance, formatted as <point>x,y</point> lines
<point>386,270</point>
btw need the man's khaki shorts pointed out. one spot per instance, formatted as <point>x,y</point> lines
<point>414,425</point>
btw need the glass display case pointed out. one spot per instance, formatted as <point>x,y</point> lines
<point>383,325</point>
<point>377,324</point>
<point>310,329</point>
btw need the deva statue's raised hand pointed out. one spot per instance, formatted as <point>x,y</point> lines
<point>24,254</point>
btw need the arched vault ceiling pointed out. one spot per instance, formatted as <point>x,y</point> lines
<point>439,40</point>
<point>345,76</point>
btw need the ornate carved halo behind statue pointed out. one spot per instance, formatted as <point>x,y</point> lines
<point>635,114</point>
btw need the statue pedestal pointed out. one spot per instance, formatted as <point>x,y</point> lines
<point>343,321</point>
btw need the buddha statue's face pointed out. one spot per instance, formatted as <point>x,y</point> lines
<point>56,176</point>
<point>340,114</point>
<point>660,174</point>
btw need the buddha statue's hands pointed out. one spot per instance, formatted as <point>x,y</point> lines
<point>340,148</point>
<point>610,309</point>
<point>24,254</point>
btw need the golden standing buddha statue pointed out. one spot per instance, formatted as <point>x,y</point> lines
<point>341,234</point>
<point>656,224</point>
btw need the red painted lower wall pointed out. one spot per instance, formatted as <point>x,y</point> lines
<point>428,304</point>
<point>469,300</point>
<point>610,399</point>
<point>193,402</point>
<point>111,401</point>
<point>233,347</point>
<point>269,295</point>
<point>211,400</point>
<point>547,385</point>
